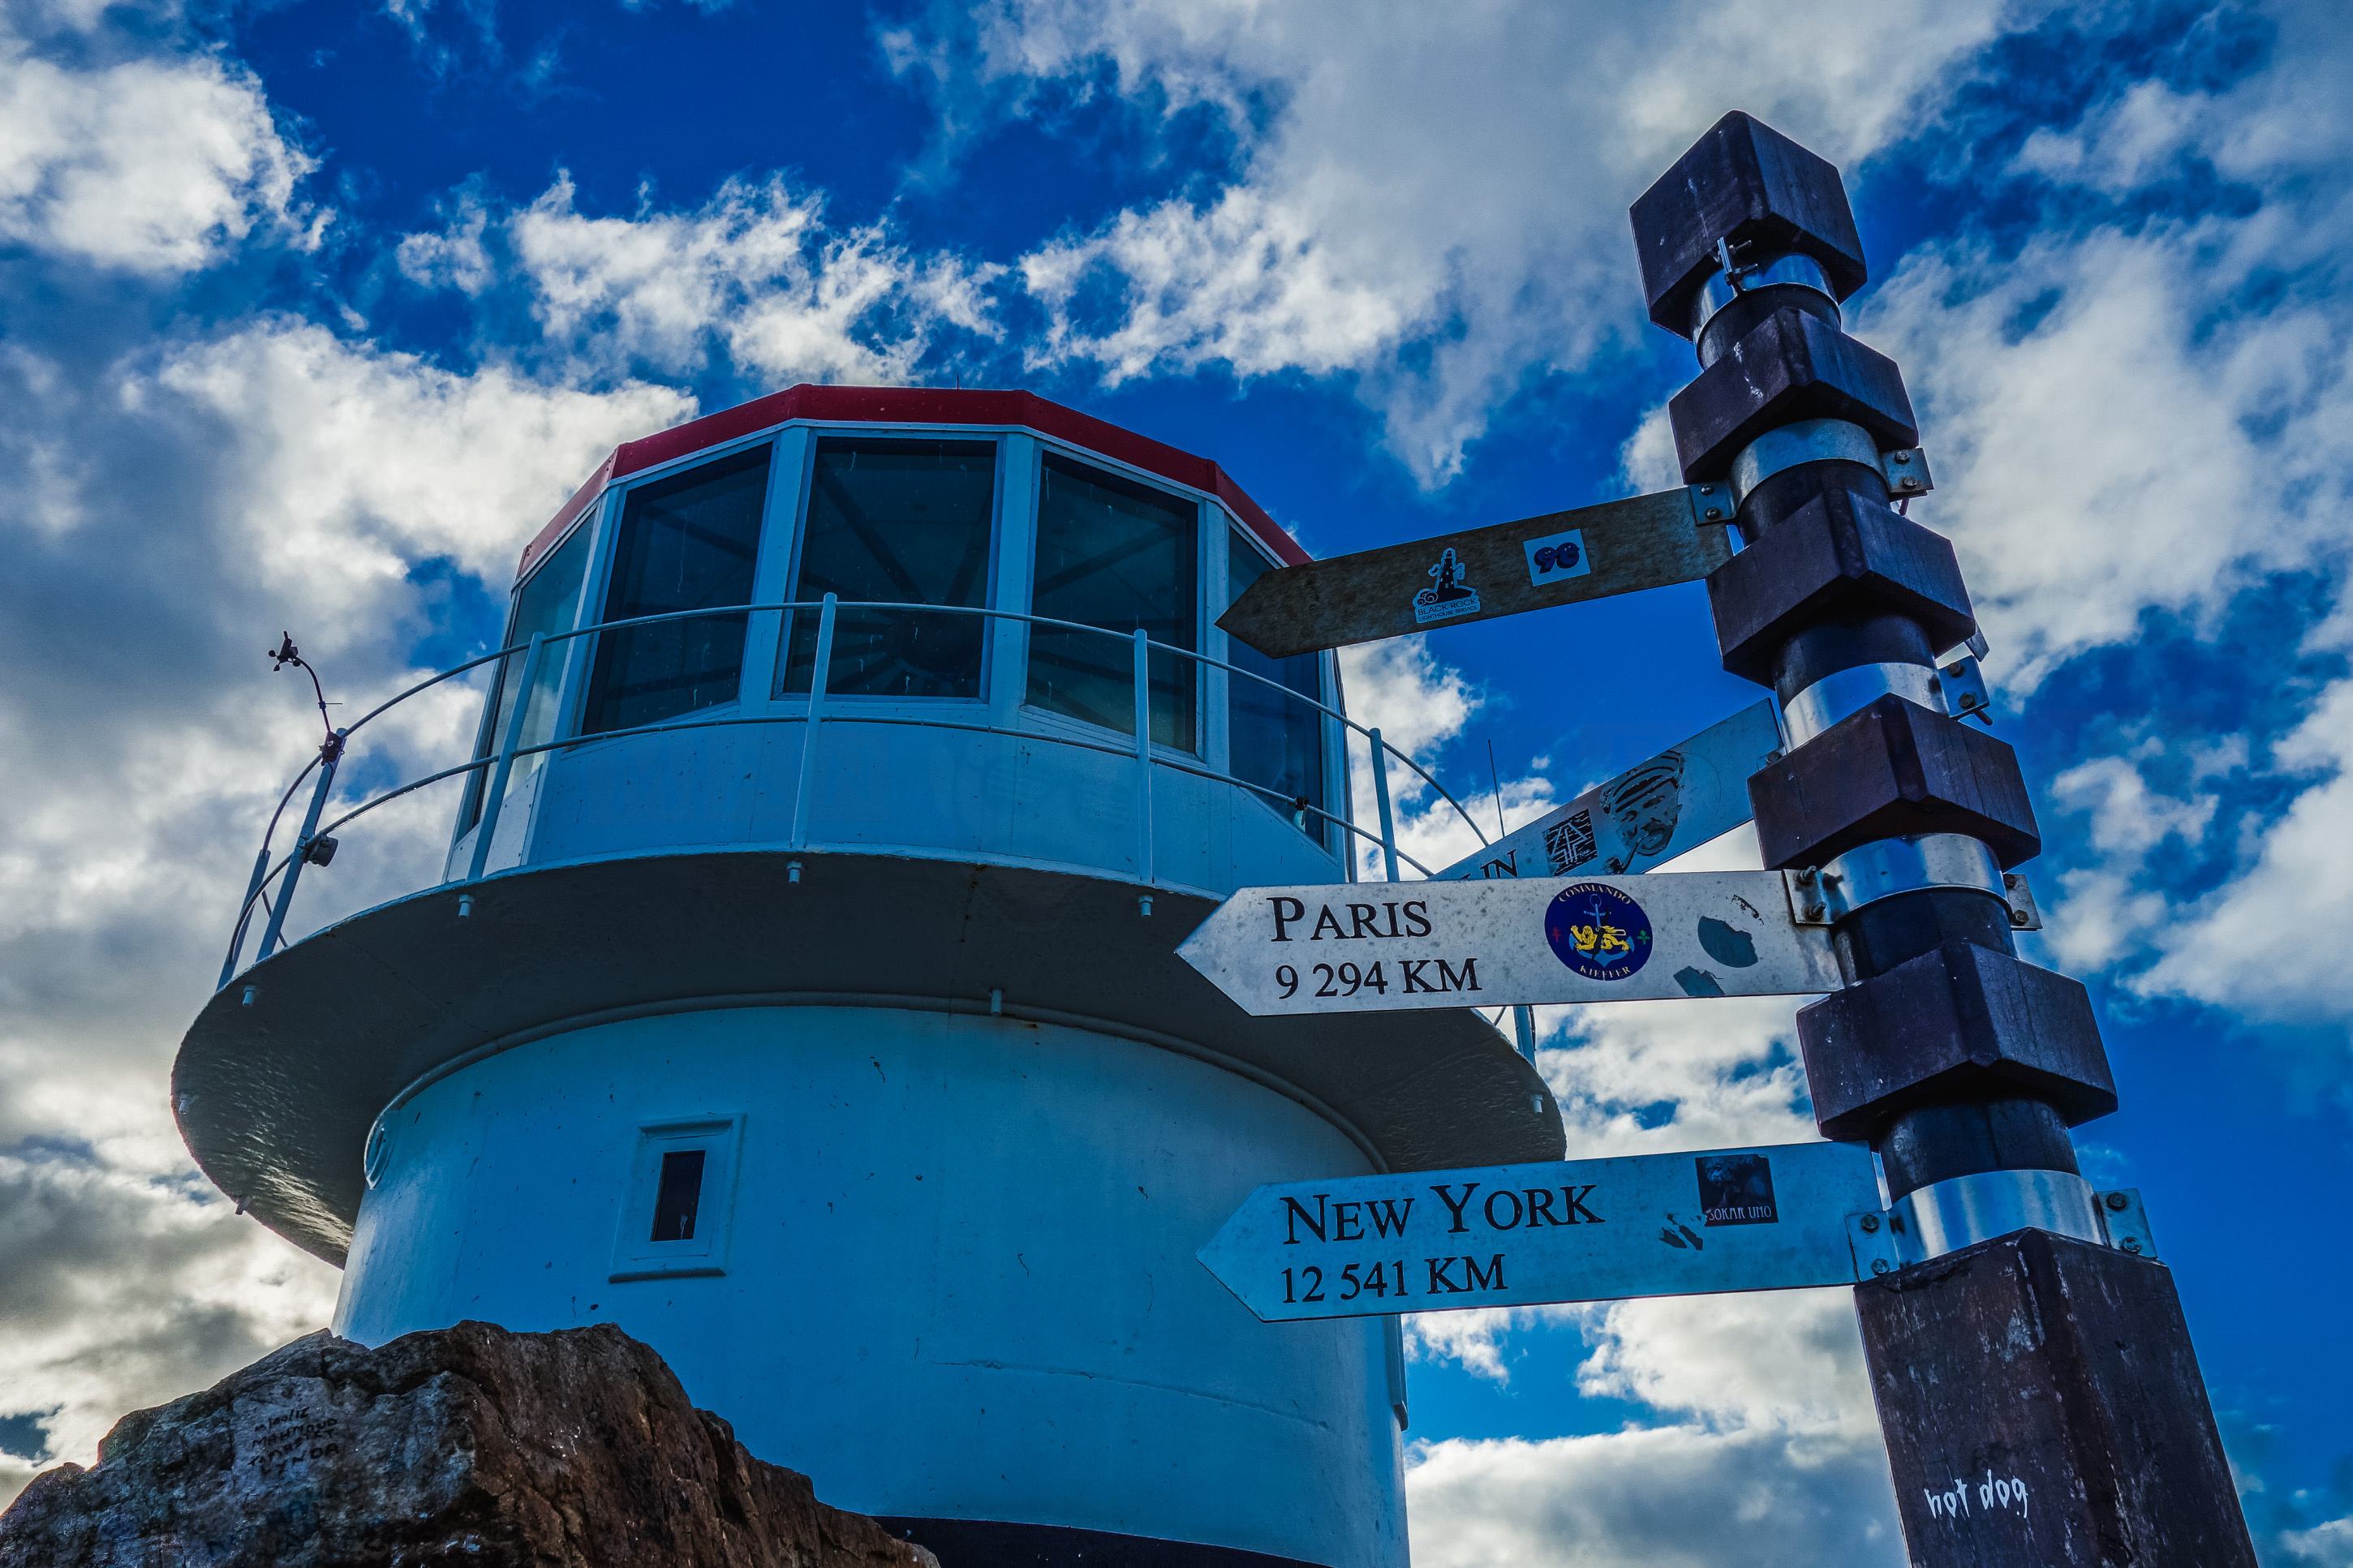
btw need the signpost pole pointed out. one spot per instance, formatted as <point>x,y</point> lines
<point>2037,1388</point>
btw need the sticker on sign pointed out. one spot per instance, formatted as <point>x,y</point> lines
<point>1652,811</point>
<point>1370,947</point>
<point>1774,1218</point>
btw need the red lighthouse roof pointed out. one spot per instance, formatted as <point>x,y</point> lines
<point>916,405</point>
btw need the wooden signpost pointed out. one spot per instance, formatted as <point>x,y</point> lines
<point>1504,569</point>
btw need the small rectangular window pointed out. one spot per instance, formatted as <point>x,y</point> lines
<point>679,1195</point>
<point>547,602</point>
<point>680,1199</point>
<point>1119,556</point>
<point>901,522</point>
<point>685,543</point>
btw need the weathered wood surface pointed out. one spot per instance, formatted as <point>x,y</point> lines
<point>1643,542</point>
<point>2042,1407</point>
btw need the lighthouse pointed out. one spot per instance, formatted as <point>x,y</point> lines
<point>799,992</point>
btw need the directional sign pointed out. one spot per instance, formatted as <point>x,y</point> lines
<point>1643,542</point>
<point>1774,1218</point>
<point>1369,947</point>
<point>1653,812</point>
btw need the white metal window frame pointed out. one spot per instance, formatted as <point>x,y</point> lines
<point>1013,546</point>
<point>636,1255</point>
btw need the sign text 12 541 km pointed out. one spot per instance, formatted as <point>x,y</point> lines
<point>1375,946</point>
<point>1576,1230</point>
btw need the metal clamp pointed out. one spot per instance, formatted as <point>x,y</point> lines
<point>1944,1216</point>
<point>1904,471</point>
<point>1823,895</point>
<point>1845,691</point>
<point>2125,1222</point>
<point>1729,282</point>
<point>2023,914</point>
<point>1966,689</point>
<point>1713,502</point>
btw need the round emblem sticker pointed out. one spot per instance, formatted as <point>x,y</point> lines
<point>1598,931</point>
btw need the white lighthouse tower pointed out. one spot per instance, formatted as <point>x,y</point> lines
<point>800,992</point>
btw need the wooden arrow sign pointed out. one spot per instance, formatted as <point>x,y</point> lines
<point>1504,569</point>
<point>1371,947</point>
<point>1774,1218</point>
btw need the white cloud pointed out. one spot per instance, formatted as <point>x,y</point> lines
<point>153,166</point>
<point>752,280</point>
<point>1776,1458</point>
<point>1427,199</point>
<point>191,503</point>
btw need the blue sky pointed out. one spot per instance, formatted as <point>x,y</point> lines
<point>310,314</point>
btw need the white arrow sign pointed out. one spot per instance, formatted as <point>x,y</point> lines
<point>1580,1230</point>
<point>1370,947</point>
<point>1652,811</point>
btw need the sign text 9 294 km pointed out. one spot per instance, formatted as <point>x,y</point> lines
<point>1370,947</point>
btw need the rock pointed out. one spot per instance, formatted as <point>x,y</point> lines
<point>469,1445</point>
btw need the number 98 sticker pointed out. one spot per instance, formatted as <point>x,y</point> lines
<point>1597,931</point>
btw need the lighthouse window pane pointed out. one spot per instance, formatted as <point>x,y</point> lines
<point>685,543</point>
<point>1119,556</point>
<point>1273,740</point>
<point>679,1196</point>
<point>902,522</point>
<point>548,603</point>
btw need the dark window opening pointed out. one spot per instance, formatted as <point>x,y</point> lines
<point>546,603</point>
<point>1119,556</point>
<point>896,522</point>
<point>679,1196</point>
<point>685,543</point>
<point>1273,740</point>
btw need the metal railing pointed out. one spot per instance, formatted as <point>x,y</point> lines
<point>500,762</point>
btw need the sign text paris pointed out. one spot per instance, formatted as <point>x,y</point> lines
<point>1368,947</point>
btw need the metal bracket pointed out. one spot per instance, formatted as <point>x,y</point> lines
<point>1806,906</point>
<point>1713,503</point>
<point>2024,913</point>
<point>2125,1223</point>
<point>1965,690</point>
<point>1877,1242</point>
<point>1907,472</point>
<point>1823,895</point>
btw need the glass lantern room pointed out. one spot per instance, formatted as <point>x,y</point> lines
<point>996,587</point>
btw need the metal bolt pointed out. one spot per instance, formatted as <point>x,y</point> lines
<point>2018,916</point>
<point>1879,1266</point>
<point>2132,1244</point>
<point>2118,1203</point>
<point>1870,1222</point>
<point>464,905</point>
<point>1806,877</point>
<point>1815,911</point>
<point>1144,900</point>
<point>1903,457</point>
<point>250,993</point>
<point>1910,482</point>
<point>1714,512</point>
